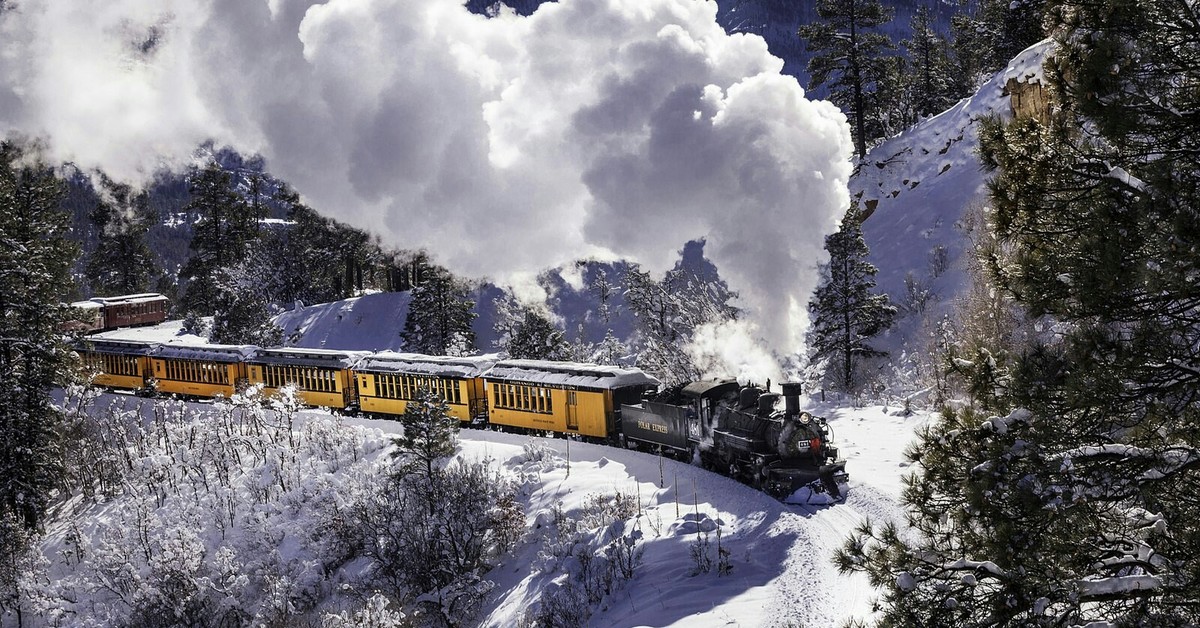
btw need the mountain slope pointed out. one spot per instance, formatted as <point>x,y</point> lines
<point>921,184</point>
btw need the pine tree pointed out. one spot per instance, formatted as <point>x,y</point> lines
<point>1075,503</point>
<point>846,57</point>
<point>320,260</point>
<point>242,313</point>
<point>439,317</point>
<point>991,33</point>
<point>933,83</point>
<point>846,314</point>
<point>122,263</point>
<point>221,239</point>
<point>35,258</point>
<point>536,338</point>
<point>429,435</point>
<point>893,105</point>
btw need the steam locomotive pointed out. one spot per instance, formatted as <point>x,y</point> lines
<point>739,432</point>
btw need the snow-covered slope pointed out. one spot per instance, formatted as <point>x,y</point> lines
<point>924,181</point>
<point>779,556</point>
<point>371,323</point>
<point>925,178</point>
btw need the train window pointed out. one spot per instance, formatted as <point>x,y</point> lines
<point>518,397</point>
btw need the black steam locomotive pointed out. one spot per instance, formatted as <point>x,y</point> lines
<point>739,431</point>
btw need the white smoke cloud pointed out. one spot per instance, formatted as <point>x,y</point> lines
<point>592,128</point>
<point>733,349</point>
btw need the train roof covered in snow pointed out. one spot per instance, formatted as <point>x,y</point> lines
<point>116,347</point>
<point>209,353</point>
<point>418,364</point>
<point>569,374</point>
<point>321,358</point>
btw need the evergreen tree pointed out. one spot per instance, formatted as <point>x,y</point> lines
<point>990,34</point>
<point>243,309</point>
<point>439,317</point>
<point>221,239</point>
<point>933,84</point>
<point>1076,503</point>
<point>122,262</point>
<point>536,338</point>
<point>35,258</point>
<point>429,435</point>
<point>846,314</point>
<point>846,57</point>
<point>894,104</point>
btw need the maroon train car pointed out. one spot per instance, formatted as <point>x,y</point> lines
<point>133,309</point>
<point>104,313</point>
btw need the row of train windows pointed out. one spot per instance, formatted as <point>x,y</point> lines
<point>113,364</point>
<point>312,379</point>
<point>138,309</point>
<point>406,386</point>
<point>200,372</point>
<point>527,398</point>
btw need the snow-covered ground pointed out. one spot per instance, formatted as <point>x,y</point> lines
<point>780,555</point>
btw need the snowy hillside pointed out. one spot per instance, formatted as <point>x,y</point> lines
<point>369,323</point>
<point>922,184</point>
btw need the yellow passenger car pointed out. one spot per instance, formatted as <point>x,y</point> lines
<point>116,363</point>
<point>200,370</point>
<point>563,397</point>
<point>322,377</point>
<point>387,381</point>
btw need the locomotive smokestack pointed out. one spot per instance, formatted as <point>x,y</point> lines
<point>791,397</point>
